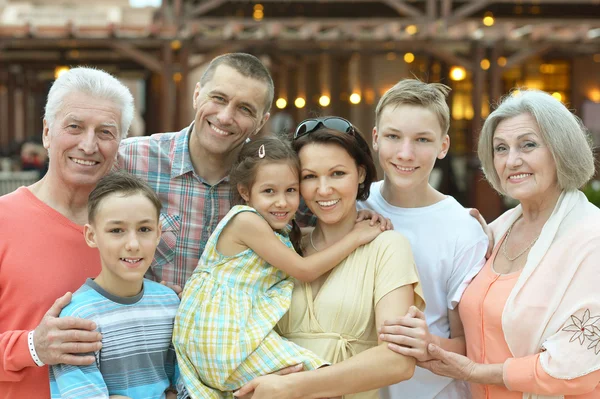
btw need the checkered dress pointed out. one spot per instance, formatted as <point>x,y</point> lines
<point>223,331</point>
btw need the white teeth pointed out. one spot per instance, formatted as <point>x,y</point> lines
<point>279,214</point>
<point>83,162</point>
<point>521,176</point>
<point>131,260</point>
<point>328,203</point>
<point>405,169</point>
<point>221,132</point>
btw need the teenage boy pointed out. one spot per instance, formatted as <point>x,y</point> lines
<point>449,246</point>
<point>135,316</point>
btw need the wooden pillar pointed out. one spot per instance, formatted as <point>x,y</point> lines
<point>495,76</point>
<point>335,71</point>
<point>167,90</point>
<point>483,196</point>
<point>11,88</point>
<point>184,97</point>
<point>4,110</point>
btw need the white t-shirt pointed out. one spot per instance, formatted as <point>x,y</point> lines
<point>449,248</point>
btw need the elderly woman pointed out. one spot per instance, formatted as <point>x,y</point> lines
<point>532,315</point>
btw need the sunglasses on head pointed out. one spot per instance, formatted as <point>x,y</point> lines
<point>308,126</point>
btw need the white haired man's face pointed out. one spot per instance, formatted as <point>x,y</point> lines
<point>83,140</point>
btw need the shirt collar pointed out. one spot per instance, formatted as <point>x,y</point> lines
<point>180,154</point>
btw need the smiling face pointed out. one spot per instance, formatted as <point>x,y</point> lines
<point>83,140</point>
<point>274,193</point>
<point>522,159</point>
<point>408,140</point>
<point>329,180</point>
<point>229,109</point>
<point>126,231</point>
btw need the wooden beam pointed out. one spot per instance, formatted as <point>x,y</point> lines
<point>138,56</point>
<point>207,57</point>
<point>464,11</point>
<point>449,57</point>
<point>206,6</point>
<point>404,9</point>
<point>523,55</point>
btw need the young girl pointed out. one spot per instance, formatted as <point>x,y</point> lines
<point>241,287</point>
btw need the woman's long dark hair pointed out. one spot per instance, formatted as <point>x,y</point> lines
<point>244,171</point>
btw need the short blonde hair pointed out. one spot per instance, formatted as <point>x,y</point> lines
<point>431,96</point>
<point>562,132</point>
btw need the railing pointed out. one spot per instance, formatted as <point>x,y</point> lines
<point>10,181</point>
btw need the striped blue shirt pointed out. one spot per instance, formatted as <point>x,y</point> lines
<point>137,357</point>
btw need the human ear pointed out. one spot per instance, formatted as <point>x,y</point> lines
<point>262,122</point>
<point>46,135</point>
<point>375,138</point>
<point>244,192</point>
<point>445,147</point>
<point>90,235</point>
<point>196,94</point>
<point>362,174</point>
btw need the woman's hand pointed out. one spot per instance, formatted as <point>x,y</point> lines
<point>374,217</point>
<point>409,335</point>
<point>449,364</point>
<point>365,232</point>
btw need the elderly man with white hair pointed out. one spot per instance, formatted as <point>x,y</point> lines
<point>43,254</point>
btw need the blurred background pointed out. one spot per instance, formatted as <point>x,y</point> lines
<point>326,57</point>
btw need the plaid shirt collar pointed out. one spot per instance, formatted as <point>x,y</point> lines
<point>180,154</point>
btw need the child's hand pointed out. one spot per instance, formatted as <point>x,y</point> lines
<point>367,214</point>
<point>365,232</point>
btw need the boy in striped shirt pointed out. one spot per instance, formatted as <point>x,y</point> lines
<point>134,315</point>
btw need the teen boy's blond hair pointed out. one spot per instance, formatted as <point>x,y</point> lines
<point>431,96</point>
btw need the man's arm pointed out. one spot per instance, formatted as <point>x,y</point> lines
<point>55,340</point>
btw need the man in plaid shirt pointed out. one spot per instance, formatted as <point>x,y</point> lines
<point>189,169</point>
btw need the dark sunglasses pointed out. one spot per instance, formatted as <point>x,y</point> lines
<point>308,126</point>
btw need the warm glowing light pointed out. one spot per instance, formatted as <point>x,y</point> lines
<point>557,95</point>
<point>258,15</point>
<point>411,29</point>
<point>488,19</point>
<point>59,70</point>
<point>485,64</point>
<point>458,73</point>
<point>300,102</point>
<point>176,45</point>
<point>547,68</point>
<point>355,98</point>
<point>258,7</point>
<point>177,76</point>
<point>324,100</point>
<point>594,95</point>
<point>409,57</point>
<point>596,58</point>
<point>502,61</point>
<point>281,103</point>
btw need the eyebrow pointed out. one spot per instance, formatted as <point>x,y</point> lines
<point>518,137</point>
<point>330,169</point>
<point>140,222</point>
<point>386,129</point>
<point>76,119</point>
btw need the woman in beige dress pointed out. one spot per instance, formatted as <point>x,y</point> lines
<point>337,315</point>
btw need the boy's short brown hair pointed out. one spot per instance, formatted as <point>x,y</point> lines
<point>431,96</point>
<point>120,182</point>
